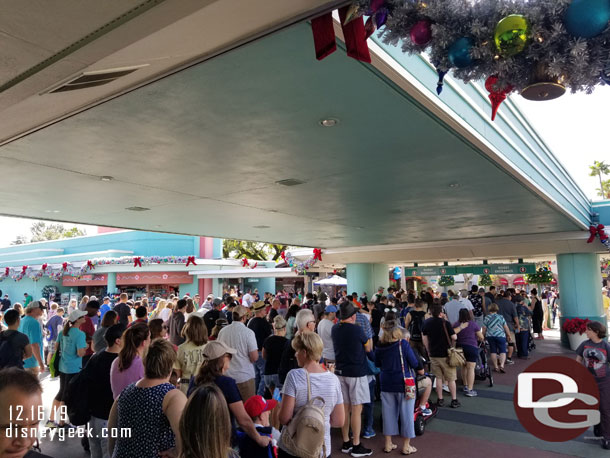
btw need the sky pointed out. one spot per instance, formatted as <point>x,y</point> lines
<point>574,126</point>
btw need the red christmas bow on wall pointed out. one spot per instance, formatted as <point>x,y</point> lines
<point>244,263</point>
<point>283,256</point>
<point>23,269</point>
<point>190,260</point>
<point>64,266</point>
<point>44,266</point>
<point>317,254</point>
<point>597,230</point>
<point>137,261</point>
<point>90,265</point>
<point>7,271</point>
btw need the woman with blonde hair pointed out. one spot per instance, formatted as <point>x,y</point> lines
<point>308,347</point>
<point>397,361</point>
<point>209,435</point>
<point>158,431</point>
<point>190,353</point>
<point>128,366</point>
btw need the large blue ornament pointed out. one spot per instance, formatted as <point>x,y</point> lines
<point>587,18</point>
<point>459,52</point>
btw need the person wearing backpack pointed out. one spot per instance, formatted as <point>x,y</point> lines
<point>413,323</point>
<point>14,345</point>
<point>310,396</point>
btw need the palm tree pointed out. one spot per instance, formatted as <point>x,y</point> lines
<point>604,191</point>
<point>599,169</point>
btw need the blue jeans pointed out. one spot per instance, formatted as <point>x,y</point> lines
<point>259,373</point>
<point>522,340</point>
<point>97,443</point>
<point>272,381</point>
<point>367,411</point>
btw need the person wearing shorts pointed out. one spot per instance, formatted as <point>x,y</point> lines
<point>351,367</point>
<point>468,333</point>
<point>496,332</point>
<point>438,335</point>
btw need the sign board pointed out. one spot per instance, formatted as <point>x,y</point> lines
<point>498,269</point>
<point>479,269</point>
<point>429,271</point>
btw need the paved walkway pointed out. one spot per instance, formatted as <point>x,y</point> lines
<point>485,426</point>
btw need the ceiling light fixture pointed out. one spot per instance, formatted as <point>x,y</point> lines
<point>137,209</point>
<point>106,178</point>
<point>290,182</point>
<point>329,122</point>
<point>51,211</point>
<point>454,185</point>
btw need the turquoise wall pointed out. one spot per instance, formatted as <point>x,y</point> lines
<point>366,278</point>
<point>580,281</point>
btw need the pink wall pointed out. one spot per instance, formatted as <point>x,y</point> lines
<point>104,230</point>
<point>206,251</point>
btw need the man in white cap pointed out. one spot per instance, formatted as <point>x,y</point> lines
<point>30,326</point>
<point>242,339</point>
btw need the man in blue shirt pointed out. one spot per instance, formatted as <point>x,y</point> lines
<point>104,308</point>
<point>30,326</point>
<point>351,345</point>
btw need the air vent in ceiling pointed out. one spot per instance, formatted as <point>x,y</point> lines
<point>92,79</point>
<point>290,182</point>
<point>137,209</point>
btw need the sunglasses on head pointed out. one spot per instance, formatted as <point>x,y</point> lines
<point>388,309</point>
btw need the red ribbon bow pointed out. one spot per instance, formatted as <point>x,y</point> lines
<point>317,254</point>
<point>44,266</point>
<point>190,260</point>
<point>255,265</point>
<point>137,261</point>
<point>597,230</point>
<point>283,255</point>
<point>23,269</point>
<point>7,271</point>
<point>64,266</point>
<point>90,265</point>
<point>244,262</point>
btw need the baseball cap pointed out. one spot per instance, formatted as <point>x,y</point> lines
<point>381,288</point>
<point>216,348</point>
<point>256,405</point>
<point>217,301</point>
<point>75,315</point>
<point>258,305</point>
<point>35,305</point>
<point>330,309</point>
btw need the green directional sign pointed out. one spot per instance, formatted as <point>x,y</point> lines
<point>498,269</point>
<point>429,271</point>
<point>479,269</point>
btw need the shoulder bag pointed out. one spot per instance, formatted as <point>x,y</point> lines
<point>410,387</point>
<point>54,363</point>
<point>455,356</point>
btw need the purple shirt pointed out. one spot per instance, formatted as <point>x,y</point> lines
<point>468,336</point>
<point>120,380</point>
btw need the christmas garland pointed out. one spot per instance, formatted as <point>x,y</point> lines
<point>300,267</point>
<point>57,271</point>
<point>446,280</point>
<point>535,47</point>
<point>542,276</point>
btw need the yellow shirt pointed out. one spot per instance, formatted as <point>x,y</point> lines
<point>606,300</point>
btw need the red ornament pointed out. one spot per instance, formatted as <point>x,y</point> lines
<point>137,261</point>
<point>496,97</point>
<point>317,254</point>
<point>190,260</point>
<point>421,32</point>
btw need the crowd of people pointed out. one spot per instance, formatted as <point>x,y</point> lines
<point>231,376</point>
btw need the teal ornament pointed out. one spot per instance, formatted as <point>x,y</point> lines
<point>587,18</point>
<point>459,52</point>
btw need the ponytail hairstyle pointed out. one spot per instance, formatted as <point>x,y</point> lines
<point>132,339</point>
<point>67,326</point>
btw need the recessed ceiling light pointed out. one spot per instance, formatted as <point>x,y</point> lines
<point>137,209</point>
<point>454,185</point>
<point>290,182</point>
<point>329,122</point>
<point>262,226</point>
<point>51,211</point>
<point>106,178</point>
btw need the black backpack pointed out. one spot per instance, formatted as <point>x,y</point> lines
<point>77,399</point>
<point>8,355</point>
<point>415,325</point>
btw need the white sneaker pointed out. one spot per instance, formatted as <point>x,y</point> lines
<point>446,388</point>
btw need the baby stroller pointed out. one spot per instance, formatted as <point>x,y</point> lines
<point>419,419</point>
<point>482,369</point>
<point>531,344</point>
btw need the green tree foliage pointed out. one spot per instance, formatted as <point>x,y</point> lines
<point>604,191</point>
<point>543,276</point>
<point>599,169</point>
<point>446,280</point>
<point>41,231</point>
<point>485,280</point>
<point>257,251</point>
